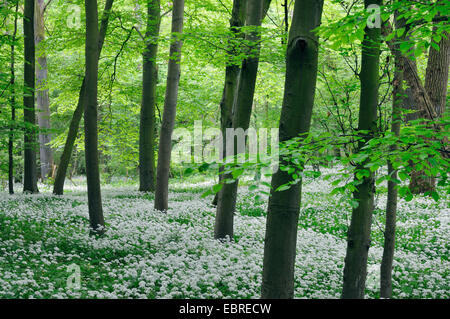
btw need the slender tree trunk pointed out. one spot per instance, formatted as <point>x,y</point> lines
<point>29,115</point>
<point>282,215</point>
<point>149,80</point>
<point>231,77</point>
<point>58,187</point>
<point>170,105</point>
<point>391,207</point>
<point>242,110</point>
<point>13,107</point>
<point>90,119</point>
<point>358,241</point>
<point>43,103</point>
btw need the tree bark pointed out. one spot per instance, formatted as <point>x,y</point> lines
<point>13,106</point>
<point>283,210</point>
<point>147,172</point>
<point>43,103</point>
<point>170,105</point>
<point>392,196</point>
<point>232,70</point>
<point>430,100</point>
<point>436,77</point>
<point>58,187</point>
<point>241,112</point>
<point>232,75</point>
<point>90,119</point>
<point>29,115</point>
<point>358,241</point>
<point>436,82</point>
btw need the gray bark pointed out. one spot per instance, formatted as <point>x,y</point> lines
<point>232,70</point>
<point>170,104</point>
<point>58,187</point>
<point>90,119</point>
<point>29,115</point>
<point>241,110</point>
<point>358,241</point>
<point>284,206</point>
<point>392,196</point>
<point>13,106</point>
<point>147,172</point>
<point>43,102</point>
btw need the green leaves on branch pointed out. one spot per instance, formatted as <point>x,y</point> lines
<point>418,148</point>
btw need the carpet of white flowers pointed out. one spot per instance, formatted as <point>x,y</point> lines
<point>148,254</point>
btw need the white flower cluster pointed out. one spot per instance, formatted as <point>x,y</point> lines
<point>148,254</point>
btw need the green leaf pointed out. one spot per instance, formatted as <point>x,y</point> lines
<point>216,188</point>
<point>403,176</point>
<point>236,173</point>
<point>283,188</point>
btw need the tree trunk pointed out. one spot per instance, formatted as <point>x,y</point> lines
<point>43,103</point>
<point>170,105</point>
<point>242,110</point>
<point>391,207</point>
<point>149,81</point>
<point>29,115</point>
<point>90,119</point>
<point>58,187</point>
<point>231,78</point>
<point>430,103</point>
<point>13,106</point>
<point>436,78</point>
<point>283,210</point>
<point>436,82</point>
<point>232,75</point>
<point>358,242</point>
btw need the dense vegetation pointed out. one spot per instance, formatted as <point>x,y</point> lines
<point>114,123</point>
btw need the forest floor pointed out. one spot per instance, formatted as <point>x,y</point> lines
<point>148,254</point>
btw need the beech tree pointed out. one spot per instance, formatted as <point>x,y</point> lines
<point>433,96</point>
<point>43,103</point>
<point>12,101</point>
<point>241,114</point>
<point>149,80</point>
<point>358,241</point>
<point>284,206</point>
<point>90,119</point>
<point>170,105</point>
<point>29,115</point>
<point>232,70</point>
<point>58,186</point>
<point>398,102</point>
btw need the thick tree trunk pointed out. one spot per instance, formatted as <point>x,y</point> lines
<point>13,106</point>
<point>392,196</point>
<point>170,105</point>
<point>147,172</point>
<point>282,215</point>
<point>242,110</point>
<point>429,100</point>
<point>58,187</point>
<point>358,242</point>
<point>90,119</point>
<point>436,83</point>
<point>436,78</point>
<point>43,103</point>
<point>29,115</point>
